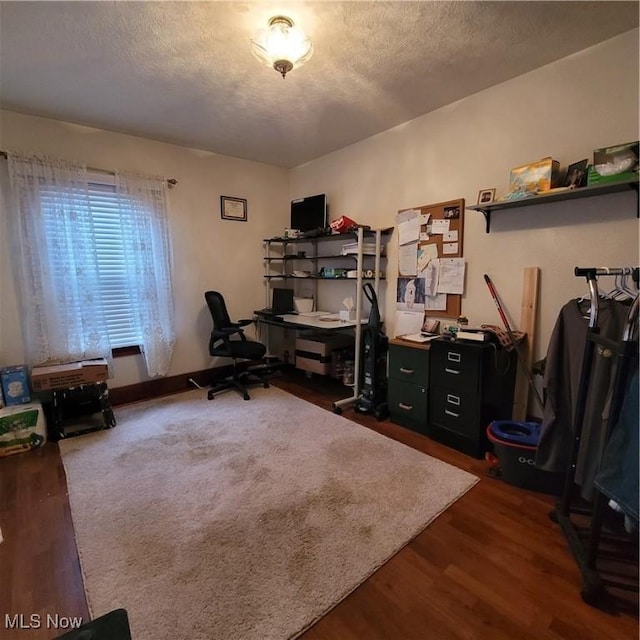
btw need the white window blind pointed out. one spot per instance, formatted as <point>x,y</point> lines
<point>110,228</point>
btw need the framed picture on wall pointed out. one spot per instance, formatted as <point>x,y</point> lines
<point>233,208</point>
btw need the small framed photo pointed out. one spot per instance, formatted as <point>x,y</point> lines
<point>485,196</point>
<point>451,212</point>
<point>577,174</point>
<point>233,208</point>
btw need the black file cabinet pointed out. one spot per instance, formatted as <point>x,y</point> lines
<point>471,385</point>
<point>408,394</point>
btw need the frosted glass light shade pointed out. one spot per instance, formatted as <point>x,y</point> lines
<point>281,45</point>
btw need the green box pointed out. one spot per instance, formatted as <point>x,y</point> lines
<point>593,177</point>
<point>614,164</point>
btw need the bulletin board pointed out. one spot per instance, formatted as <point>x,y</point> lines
<point>453,212</point>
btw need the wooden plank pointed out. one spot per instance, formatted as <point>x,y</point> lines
<point>528,312</point>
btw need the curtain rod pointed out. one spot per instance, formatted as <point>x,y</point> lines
<point>172,182</point>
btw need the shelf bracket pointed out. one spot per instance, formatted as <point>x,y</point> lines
<point>487,216</point>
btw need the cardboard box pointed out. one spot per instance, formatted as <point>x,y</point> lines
<point>314,352</point>
<point>611,164</point>
<point>65,376</point>
<point>22,428</point>
<point>15,385</point>
<point>535,177</point>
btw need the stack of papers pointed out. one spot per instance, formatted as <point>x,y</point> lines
<point>419,337</point>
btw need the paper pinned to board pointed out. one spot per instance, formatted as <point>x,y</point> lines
<point>439,226</point>
<point>449,248</point>
<point>408,259</point>
<point>451,275</point>
<point>435,303</point>
<point>409,231</point>
<point>426,253</point>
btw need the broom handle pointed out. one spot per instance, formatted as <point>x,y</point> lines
<point>507,326</point>
<point>494,295</point>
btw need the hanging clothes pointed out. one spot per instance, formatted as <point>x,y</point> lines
<point>618,475</point>
<point>562,379</point>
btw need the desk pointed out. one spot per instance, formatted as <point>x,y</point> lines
<point>306,323</point>
<point>301,322</point>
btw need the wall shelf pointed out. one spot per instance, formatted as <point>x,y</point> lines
<point>570,194</point>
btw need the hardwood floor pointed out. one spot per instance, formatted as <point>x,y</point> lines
<point>493,565</point>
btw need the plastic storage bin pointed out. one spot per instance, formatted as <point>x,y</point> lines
<point>515,445</point>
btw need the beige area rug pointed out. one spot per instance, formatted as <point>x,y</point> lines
<point>234,520</point>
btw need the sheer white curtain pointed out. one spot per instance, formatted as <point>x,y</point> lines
<point>53,253</point>
<point>143,211</point>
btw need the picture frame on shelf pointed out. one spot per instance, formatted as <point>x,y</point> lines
<point>486,196</point>
<point>233,208</point>
<point>577,174</point>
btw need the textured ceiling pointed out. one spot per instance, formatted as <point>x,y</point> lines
<point>182,72</point>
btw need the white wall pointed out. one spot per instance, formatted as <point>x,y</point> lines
<point>564,110</point>
<point>208,252</point>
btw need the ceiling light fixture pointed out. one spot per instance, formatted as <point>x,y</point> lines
<point>281,45</point>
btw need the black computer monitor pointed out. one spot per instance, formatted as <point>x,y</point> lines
<point>309,213</point>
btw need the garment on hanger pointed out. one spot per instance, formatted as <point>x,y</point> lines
<point>563,367</point>
<point>618,475</point>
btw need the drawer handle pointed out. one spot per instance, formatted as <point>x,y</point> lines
<point>403,370</point>
<point>451,399</point>
<point>451,371</point>
<point>451,413</point>
<point>405,407</point>
<point>453,356</point>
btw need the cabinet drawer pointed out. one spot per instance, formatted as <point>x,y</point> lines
<point>408,404</point>
<point>409,364</point>
<point>458,412</point>
<point>455,365</point>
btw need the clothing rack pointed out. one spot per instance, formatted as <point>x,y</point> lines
<point>586,539</point>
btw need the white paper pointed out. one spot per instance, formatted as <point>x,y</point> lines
<point>418,337</point>
<point>450,236</point>
<point>451,275</point>
<point>449,248</point>
<point>424,236</point>
<point>409,231</point>
<point>425,218</point>
<point>408,259</point>
<point>407,322</point>
<point>426,253</point>
<point>431,277</point>
<point>439,226</point>
<point>435,303</point>
<point>407,214</point>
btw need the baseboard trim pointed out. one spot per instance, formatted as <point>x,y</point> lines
<point>167,385</point>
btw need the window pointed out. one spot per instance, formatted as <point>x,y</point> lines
<point>118,300</point>
<point>109,222</point>
<point>93,261</point>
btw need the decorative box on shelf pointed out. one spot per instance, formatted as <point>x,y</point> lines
<point>535,177</point>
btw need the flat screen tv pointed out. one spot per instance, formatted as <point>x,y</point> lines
<point>309,213</point>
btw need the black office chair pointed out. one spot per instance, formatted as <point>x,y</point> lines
<point>222,345</point>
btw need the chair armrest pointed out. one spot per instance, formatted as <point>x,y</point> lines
<point>244,322</point>
<point>226,332</point>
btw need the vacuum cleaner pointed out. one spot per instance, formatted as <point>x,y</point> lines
<point>373,373</point>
